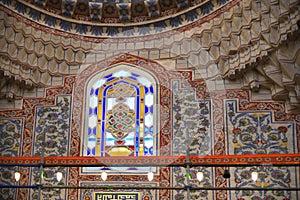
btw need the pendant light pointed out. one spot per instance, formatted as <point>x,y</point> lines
<point>254,176</point>
<point>59,176</point>
<point>200,176</point>
<point>150,176</point>
<point>17,176</point>
<point>104,176</point>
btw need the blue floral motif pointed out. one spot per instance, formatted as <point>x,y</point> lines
<point>50,21</point>
<point>7,178</point>
<point>176,21</point>
<point>207,8</point>
<point>191,16</point>
<point>49,176</point>
<point>191,116</point>
<point>35,15</point>
<point>143,30</point>
<point>127,31</point>
<point>66,26</point>
<point>159,26</point>
<point>21,8</point>
<point>81,28</point>
<point>254,132</point>
<point>54,122</point>
<point>268,177</point>
<point>10,136</point>
<point>112,31</point>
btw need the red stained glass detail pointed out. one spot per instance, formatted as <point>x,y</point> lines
<point>119,126</point>
<point>131,147</point>
<point>121,99</point>
<point>120,114</point>
<point>120,142</point>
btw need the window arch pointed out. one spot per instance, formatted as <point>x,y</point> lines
<point>121,113</point>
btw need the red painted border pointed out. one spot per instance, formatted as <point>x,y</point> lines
<point>223,160</point>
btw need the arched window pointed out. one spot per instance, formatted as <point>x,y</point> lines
<point>120,113</point>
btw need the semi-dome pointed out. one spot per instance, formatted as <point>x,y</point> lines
<point>110,17</point>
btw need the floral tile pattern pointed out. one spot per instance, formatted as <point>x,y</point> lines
<point>256,132</point>
<point>10,136</point>
<point>53,125</point>
<point>191,123</point>
<point>10,145</point>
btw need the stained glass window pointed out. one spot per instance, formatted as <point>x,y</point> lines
<point>121,115</point>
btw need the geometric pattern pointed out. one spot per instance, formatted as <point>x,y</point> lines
<point>249,128</point>
<point>120,116</point>
<point>153,12</point>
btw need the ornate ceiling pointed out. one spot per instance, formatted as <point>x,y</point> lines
<point>117,18</point>
<point>253,42</point>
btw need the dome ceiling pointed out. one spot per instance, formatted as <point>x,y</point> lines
<point>118,17</point>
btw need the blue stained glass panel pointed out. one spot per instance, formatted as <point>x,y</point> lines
<point>146,90</point>
<point>108,76</point>
<point>133,78</point>
<point>151,130</point>
<point>133,74</point>
<point>109,102</point>
<point>138,108</point>
<point>103,107</point>
<point>97,92</point>
<point>110,79</point>
<point>151,89</point>
<point>151,150</point>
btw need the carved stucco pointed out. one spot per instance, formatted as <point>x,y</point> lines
<point>254,41</point>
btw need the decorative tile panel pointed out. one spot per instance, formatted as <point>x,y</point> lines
<point>11,136</point>
<point>256,132</point>
<point>191,127</point>
<point>52,128</point>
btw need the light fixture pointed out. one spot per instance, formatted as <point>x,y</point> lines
<point>17,176</point>
<point>150,176</point>
<point>59,176</point>
<point>254,176</point>
<point>104,176</point>
<point>200,176</point>
<point>226,174</point>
